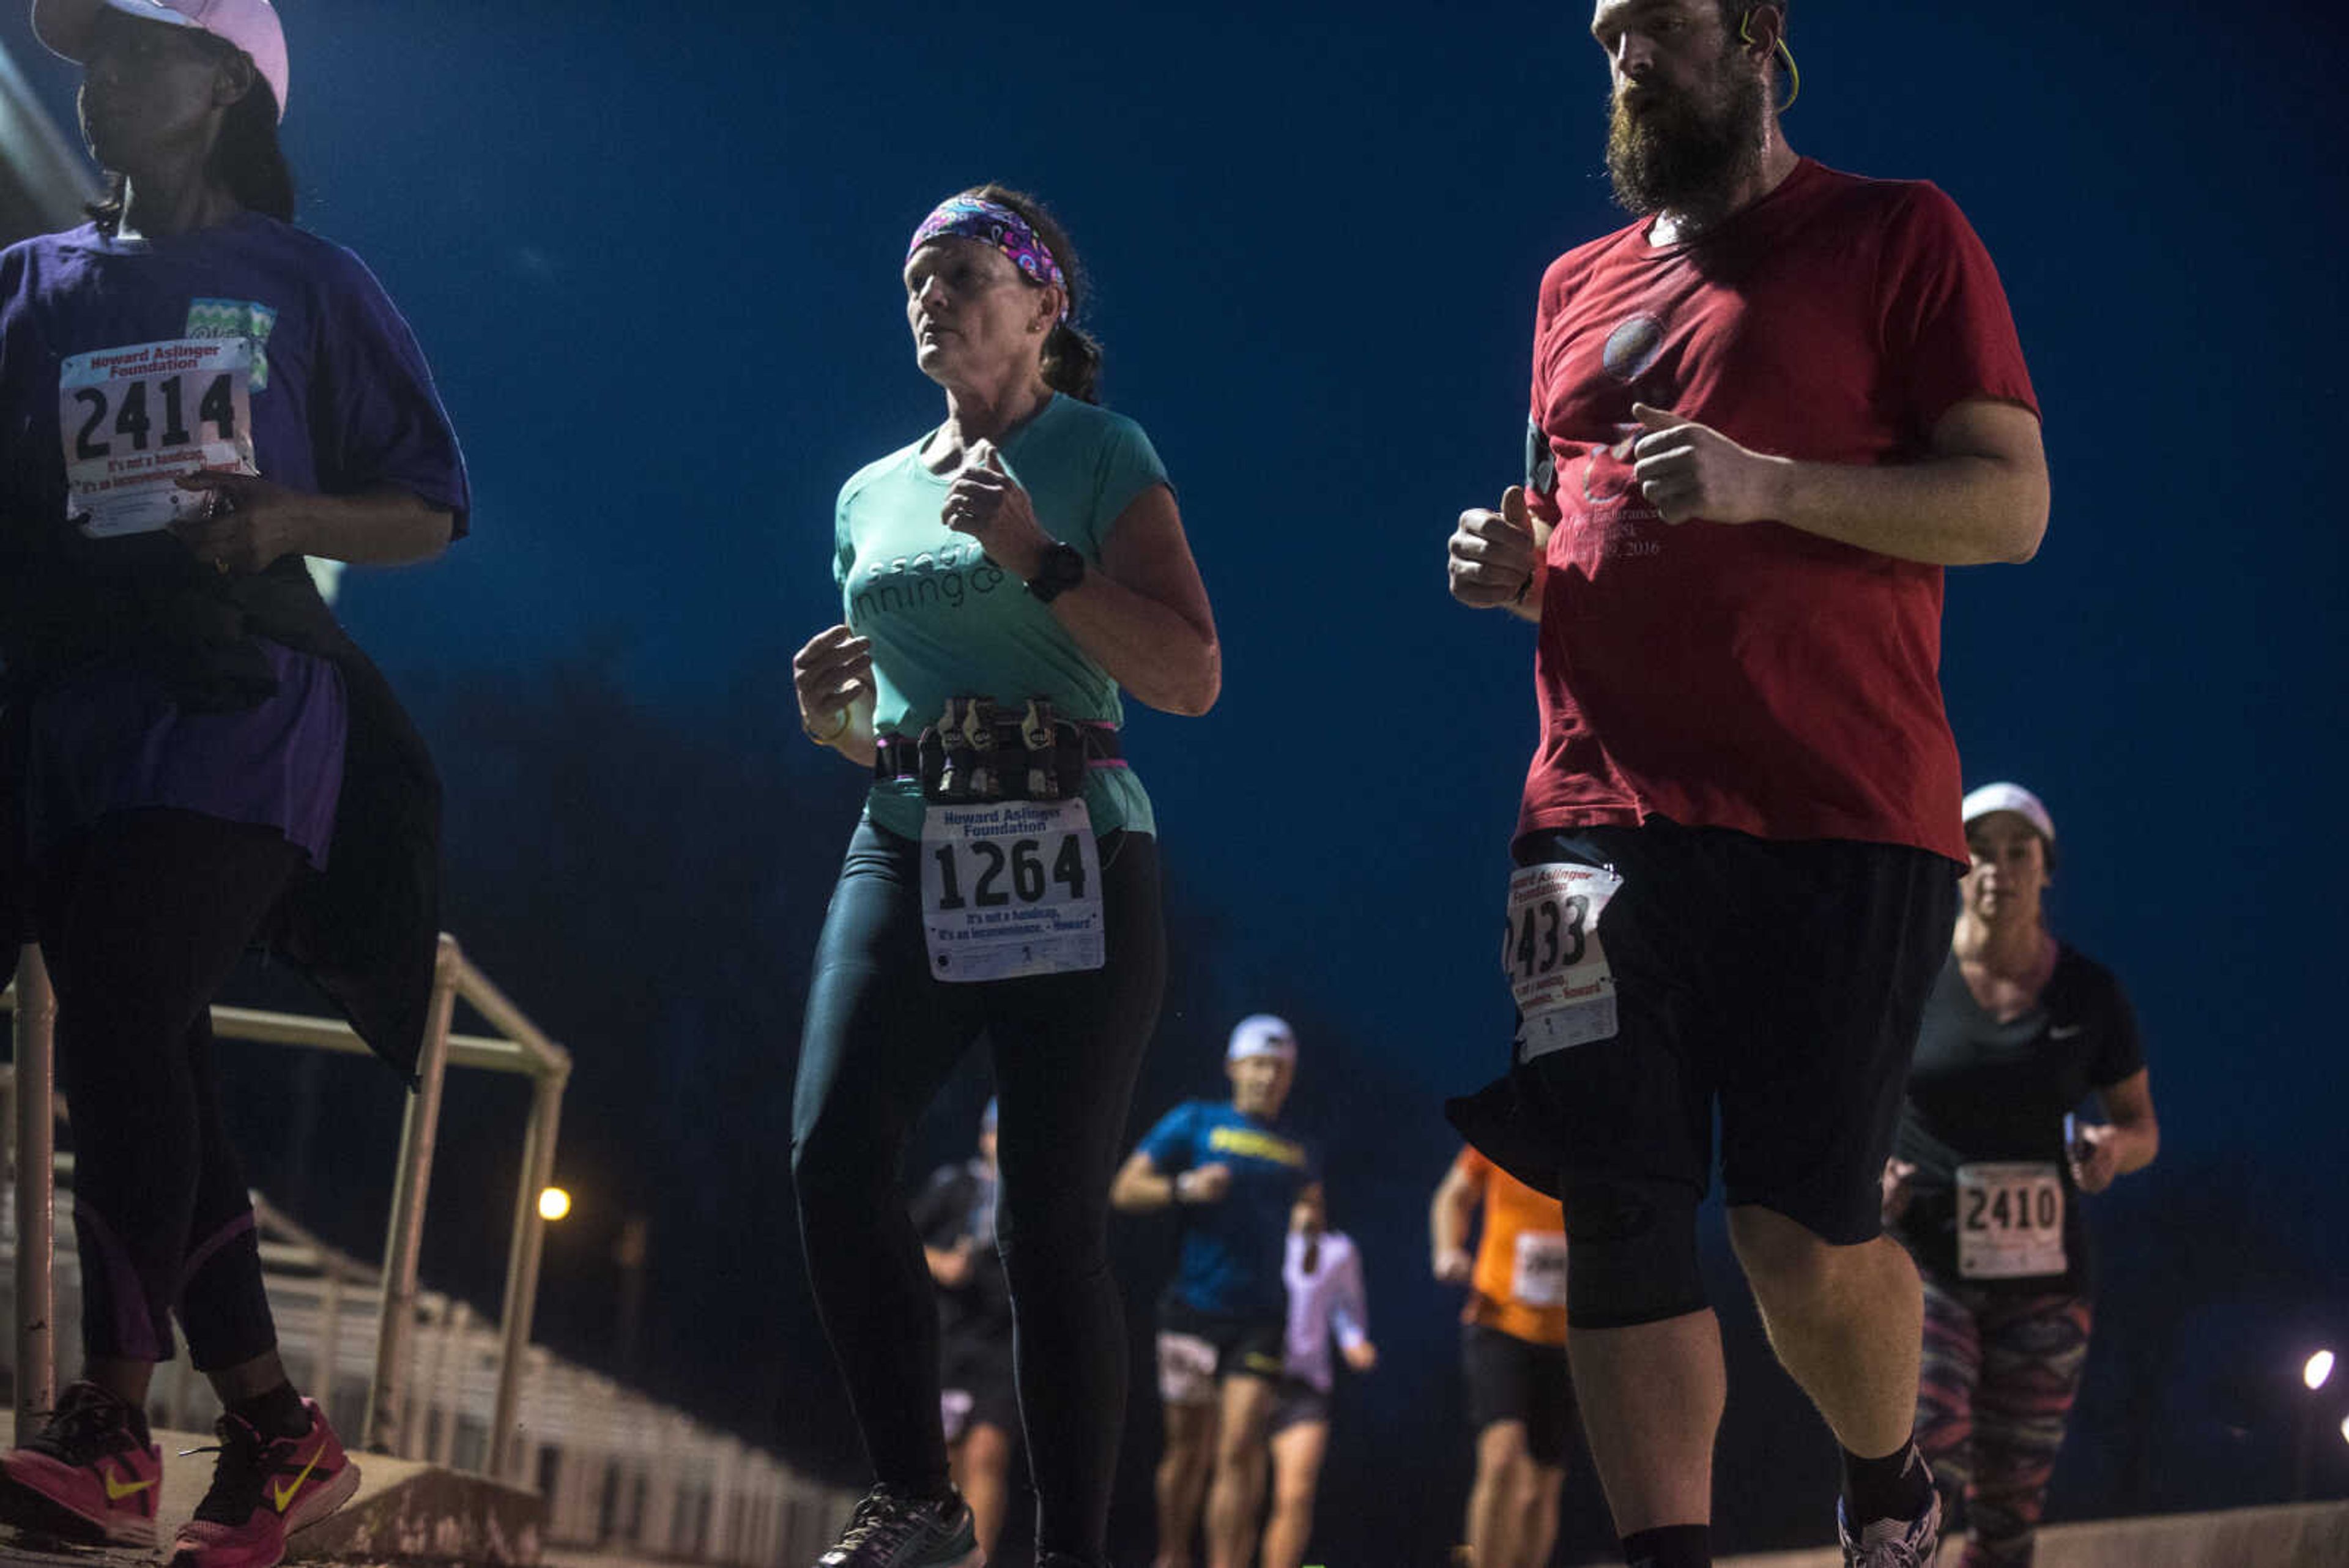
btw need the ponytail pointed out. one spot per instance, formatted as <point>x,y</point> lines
<point>1072,357</point>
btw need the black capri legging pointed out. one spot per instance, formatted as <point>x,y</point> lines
<point>142,919</point>
<point>881,1036</point>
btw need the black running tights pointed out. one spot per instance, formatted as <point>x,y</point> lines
<point>142,919</point>
<point>881,1037</point>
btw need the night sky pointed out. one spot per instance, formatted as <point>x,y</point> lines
<point>652,252</point>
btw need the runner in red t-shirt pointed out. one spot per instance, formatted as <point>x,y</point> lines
<point>1765,417</point>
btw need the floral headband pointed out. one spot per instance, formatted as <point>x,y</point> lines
<point>992,224</point>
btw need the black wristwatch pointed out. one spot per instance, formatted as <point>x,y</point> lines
<point>1062,568</point>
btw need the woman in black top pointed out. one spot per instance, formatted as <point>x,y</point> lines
<point>1984,1184</point>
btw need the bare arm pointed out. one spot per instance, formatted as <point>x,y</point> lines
<point>1142,616</point>
<point>1979,496</point>
<point>2131,1140</point>
<point>258,522</point>
<point>1448,1219</point>
<point>1350,1316</point>
<point>1141,1187</point>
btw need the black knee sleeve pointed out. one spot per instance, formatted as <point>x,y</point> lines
<point>1632,1250</point>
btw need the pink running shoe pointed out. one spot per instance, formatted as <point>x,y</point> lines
<point>89,1475</point>
<point>264,1489</point>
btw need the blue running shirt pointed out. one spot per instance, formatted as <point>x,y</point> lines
<point>1234,1250</point>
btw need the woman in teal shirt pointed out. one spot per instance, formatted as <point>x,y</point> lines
<point>1003,577</point>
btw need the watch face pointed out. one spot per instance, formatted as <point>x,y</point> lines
<point>1064,567</point>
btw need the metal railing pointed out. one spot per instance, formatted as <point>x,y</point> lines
<point>522,1048</point>
<point>624,1479</point>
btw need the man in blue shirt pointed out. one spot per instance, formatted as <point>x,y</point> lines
<point>1234,1172</point>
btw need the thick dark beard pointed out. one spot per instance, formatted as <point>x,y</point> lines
<point>1687,157</point>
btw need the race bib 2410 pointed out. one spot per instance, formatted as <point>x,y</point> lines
<point>2011,1221</point>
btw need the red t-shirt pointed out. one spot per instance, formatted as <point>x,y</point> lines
<point>1755,677</point>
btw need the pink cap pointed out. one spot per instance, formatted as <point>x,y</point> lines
<point>251,25</point>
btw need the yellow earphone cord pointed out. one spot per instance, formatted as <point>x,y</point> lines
<point>1794,71</point>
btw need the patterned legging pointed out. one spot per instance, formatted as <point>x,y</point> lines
<point>2000,1374</point>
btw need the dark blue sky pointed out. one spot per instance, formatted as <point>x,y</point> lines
<point>653,255</point>
<point>652,252</point>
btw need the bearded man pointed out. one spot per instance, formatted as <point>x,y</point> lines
<point>1765,416</point>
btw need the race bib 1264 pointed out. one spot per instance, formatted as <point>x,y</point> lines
<point>136,420</point>
<point>1010,888</point>
<point>1558,972</point>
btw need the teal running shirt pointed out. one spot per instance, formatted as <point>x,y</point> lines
<point>946,621</point>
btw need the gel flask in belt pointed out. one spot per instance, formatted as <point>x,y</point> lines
<point>1039,733</point>
<point>954,756</point>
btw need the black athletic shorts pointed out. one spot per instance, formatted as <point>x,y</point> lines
<point>1785,981</point>
<point>1511,1379</point>
<point>1197,1350</point>
<point>975,1386</point>
<point>1296,1403</point>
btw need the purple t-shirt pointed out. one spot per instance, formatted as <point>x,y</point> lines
<point>340,401</point>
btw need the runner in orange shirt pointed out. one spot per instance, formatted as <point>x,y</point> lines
<point>1512,1353</point>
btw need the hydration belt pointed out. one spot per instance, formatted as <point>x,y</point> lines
<point>974,754</point>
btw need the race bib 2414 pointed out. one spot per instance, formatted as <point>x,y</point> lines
<point>137,420</point>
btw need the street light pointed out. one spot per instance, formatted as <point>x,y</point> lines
<point>553,1203</point>
<point>2314,1374</point>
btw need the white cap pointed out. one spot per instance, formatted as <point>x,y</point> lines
<point>1262,1035</point>
<point>2011,797</point>
<point>251,25</point>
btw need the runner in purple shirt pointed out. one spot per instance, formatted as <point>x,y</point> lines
<point>194,395</point>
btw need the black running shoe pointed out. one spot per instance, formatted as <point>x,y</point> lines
<point>888,1531</point>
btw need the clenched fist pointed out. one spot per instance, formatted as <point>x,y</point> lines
<point>1492,554</point>
<point>1688,471</point>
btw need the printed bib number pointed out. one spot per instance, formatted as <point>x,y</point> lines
<point>1558,972</point>
<point>1010,890</point>
<point>2010,1221</point>
<point>136,420</point>
<point>1540,1277</point>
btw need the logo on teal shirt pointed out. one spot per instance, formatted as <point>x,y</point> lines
<point>948,576</point>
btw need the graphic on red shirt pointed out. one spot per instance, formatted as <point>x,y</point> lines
<point>1755,677</point>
